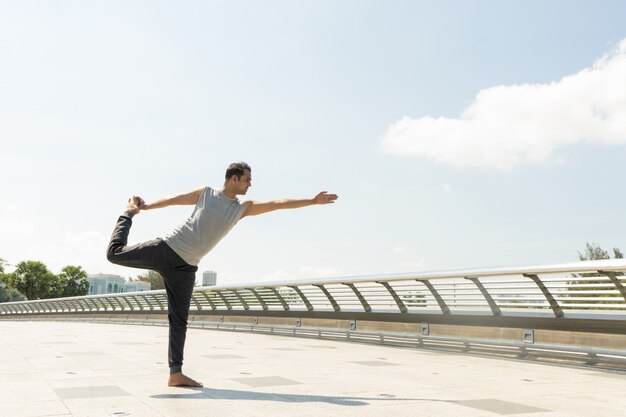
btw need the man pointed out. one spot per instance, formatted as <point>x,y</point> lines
<point>176,257</point>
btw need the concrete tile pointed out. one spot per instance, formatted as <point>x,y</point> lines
<point>107,406</point>
<point>423,383</point>
<point>375,363</point>
<point>265,381</point>
<point>500,407</point>
<point>26,391</point>
<point>84,353</point>
<point>321,347</point>
<point>224,356</point>
<point>70,393</point>
<point>95,381</point>
<point>34,409</point>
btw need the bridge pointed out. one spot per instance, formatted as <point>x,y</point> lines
<point>548,340</point>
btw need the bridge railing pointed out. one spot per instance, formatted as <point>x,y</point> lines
<point>591,289</point>
<point>578,308</point>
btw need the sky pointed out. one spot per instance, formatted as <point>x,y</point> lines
<point>457,134</point>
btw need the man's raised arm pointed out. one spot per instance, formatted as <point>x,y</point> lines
<point>254,208</point>
<point>185,199</point>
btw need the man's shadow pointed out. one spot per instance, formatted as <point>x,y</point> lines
<point>227,394</point>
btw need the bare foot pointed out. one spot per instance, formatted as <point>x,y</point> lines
<point>180,380</point>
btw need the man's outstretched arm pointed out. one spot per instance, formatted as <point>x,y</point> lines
<point>185,199</point>
<point>254,208</point>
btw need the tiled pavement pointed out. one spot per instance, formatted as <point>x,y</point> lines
<point>86,369</point>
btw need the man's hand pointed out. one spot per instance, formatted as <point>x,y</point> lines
<point>325,198</point>
<point>134,205</point>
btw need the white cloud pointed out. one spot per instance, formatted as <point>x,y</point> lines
<point>15,229</point>
<point>21,241</point>
<point>398,250</point>
<point>446,187</point>
<point>85,248</point>
<point>509,125</point>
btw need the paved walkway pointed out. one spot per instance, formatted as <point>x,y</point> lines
<point>84,369</point>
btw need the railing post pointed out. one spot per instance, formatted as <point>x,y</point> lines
<point>119,303</point>
<point>442,304</point>
<point>139,305</point>
<point>99,303</point>
<point>358,294</point>
<point>558,311</point>
<point>195,301</point>
<point>613,277</point>
<point>211,303</point>
<point>492,304</point>
<point>241,300</point>
<point>280,298</point>
<point>305,300</point>
<point>330,297</point>
<point>258,297</point>
<point>394,295</point>
<point>158,301</point>
<point>147,302</point>
<point>226,303</point>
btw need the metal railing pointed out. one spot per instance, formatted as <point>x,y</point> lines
<point>591,289</point>
<point>582,298</point>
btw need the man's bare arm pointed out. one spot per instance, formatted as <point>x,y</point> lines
<point>254,208</point>
<point>185,199</point>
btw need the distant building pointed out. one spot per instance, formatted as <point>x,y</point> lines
<point>134,286</point>
<point>105,284</point>
<point>113,284</point>
<point>209,278</point>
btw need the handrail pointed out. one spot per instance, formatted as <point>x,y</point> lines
<point>559,291</point>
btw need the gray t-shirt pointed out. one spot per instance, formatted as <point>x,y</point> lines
<point>213,217</point>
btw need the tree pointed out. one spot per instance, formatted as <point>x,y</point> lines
<point>593,252</point>
<point>10,294</point>
<point>154,278</point>
<point>72,281</point>
<point>33,279</point>
<point>3,277</point>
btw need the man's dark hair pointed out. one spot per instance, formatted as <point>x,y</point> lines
<point>236,169</point>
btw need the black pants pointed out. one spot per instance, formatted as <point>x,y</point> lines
<point>179,278</point>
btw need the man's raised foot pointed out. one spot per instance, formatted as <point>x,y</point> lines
<point>180,380</point>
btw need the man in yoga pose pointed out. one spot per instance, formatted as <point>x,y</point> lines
<point>176,256</point>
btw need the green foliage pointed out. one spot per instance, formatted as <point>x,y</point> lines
<point>593,252</point>
<point>154,278</point>
<point>73,281</point>
<point>35,281</point>
<point>10,294</point>
<point>414,299</point>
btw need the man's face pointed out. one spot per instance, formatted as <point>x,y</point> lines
<point>244,183</point>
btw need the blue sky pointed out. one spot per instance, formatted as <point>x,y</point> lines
<point>457,134</point>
